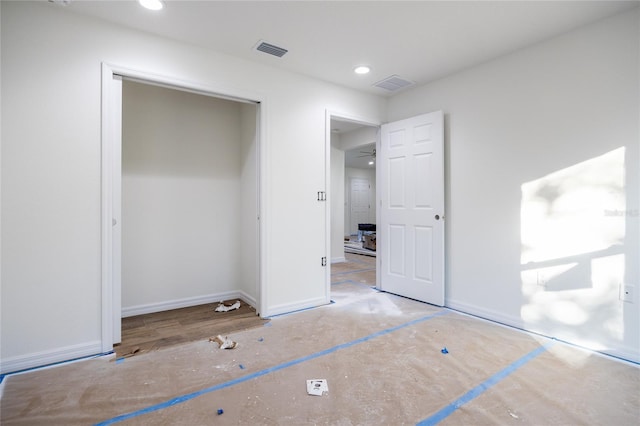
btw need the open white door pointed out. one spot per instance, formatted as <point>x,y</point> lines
<point>411,226</point>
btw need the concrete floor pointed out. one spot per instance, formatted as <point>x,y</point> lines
<point>381,355</point>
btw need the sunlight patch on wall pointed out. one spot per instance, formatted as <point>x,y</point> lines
<point>572,254</point>
<point>565,213</point>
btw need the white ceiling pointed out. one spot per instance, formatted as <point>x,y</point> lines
<point>359,158</point>
<point>417,40</point>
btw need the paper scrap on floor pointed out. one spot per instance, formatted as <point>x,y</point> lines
<point>224,343</point>
<point>224,308</point>
<point>317,387</point>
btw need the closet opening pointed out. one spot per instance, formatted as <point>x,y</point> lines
<point>184,193</point>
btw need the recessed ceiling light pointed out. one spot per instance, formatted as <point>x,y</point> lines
<point>151,4</point>
<point>362,69</point>
<point>371,163</point>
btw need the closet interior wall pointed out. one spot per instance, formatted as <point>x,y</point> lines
<point>189,197</point>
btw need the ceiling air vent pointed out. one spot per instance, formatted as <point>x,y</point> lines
<point>270,49</point>
<point>393,83</point>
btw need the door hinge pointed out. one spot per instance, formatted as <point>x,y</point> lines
<point>322,196</point>
<point>323,261</point>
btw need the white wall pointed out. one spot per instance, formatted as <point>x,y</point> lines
<point>51,254</point>
<point>370,175</point>
<point>359,137</point>
<point>337,201</point>
<point>181,193</point>
<point>541,145</point>
<point>249,208</point>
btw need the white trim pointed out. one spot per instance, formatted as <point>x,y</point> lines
<point>626,354</point>
<point>109,116</point>
<point>327,206</point>
<point>378,210</point>
<point>337,115</point>
<point>249,299</point>
<point>151,308</point>
<point>287,308</point>
<point>263,200</point>
<point>38,359</point>
<point>488,314</point>
<point>219,91</point>
<point>107,136</point>
<point>338,260</point>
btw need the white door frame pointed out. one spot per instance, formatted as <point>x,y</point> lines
<point>111,142</point>
<point>330,114</point>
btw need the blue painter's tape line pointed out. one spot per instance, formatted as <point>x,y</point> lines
<point>120,360</point>
<point>190,396</point>
<point>478,390</point>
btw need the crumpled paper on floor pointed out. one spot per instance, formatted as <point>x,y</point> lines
<point>224,308</point>
<point>223,342</point>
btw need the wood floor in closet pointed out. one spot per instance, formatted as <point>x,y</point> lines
<point>149,332</point>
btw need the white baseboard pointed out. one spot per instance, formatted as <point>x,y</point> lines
<point>249,299</point>
<point>623,353</point>
<point>338,259</point>
<point>53,356</point>
<point>488,314</point>
<point>292,307</point>
<point>150,308</point>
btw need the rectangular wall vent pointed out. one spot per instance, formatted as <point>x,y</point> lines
<point>270,49</point>
<point>394,83</point>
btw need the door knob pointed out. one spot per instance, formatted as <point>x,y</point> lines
<point>437,217</point>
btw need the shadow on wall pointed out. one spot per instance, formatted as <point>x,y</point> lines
<point>573,246</point>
